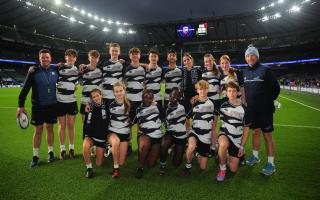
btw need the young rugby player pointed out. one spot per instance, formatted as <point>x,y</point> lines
<point>92,78</point>
<point>149,132</point>
<point>67,107</point>
<point>234,131</point>
<point>229,74</point>
<point>95,130</point>
<point>154,78</point>
<point>175,117</point>
<point>200,138</point>
<point>134,77</point>
<point>119,128</point>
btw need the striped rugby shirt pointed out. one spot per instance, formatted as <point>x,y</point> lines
<point>233,120</point>
<point>91,79</point>
<point>134,78</point>
<point>153,82</point>
<point>202,115</point>
<point>112,72</point>
<point>66,85</point>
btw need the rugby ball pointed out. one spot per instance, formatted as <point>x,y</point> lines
<point>23,120</point>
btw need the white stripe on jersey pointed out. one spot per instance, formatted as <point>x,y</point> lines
<point>232,121</point>
<point>67,81</point>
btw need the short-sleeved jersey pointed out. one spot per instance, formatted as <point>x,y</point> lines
<point>91,79</point>
<point>233,120</point>
<point>176,121</point>
<point>66,85</point>
<point>112,72</point>
<point>214,84</point>
<point>134,78</point>
<point>173,78</point>
<point>153,82</point>
<point>148,119</point>
<point>119,120</point>
<point>202,115</point>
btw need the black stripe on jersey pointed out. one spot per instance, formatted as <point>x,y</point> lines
<point>200,131</point>
<point>66,78</point>
<point>133,91</point>
<point>86,94</point>
<point>108,87</point>
<point>65,91</point>
<point>97,81</point>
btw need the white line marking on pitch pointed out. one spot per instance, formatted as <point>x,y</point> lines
<point>317,109</point>
<point>8,107</point>
<point>297,126</point>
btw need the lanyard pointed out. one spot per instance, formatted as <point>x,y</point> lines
<point>47,78</point>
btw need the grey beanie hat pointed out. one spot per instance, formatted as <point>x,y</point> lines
<point>252,50</point>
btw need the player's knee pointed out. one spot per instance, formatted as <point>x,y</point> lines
<point>114,141</point>
<point>62,125</point>
<point>86,145</point>
<point>223,144</point>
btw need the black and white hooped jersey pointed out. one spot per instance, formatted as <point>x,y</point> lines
<point>214,84</point>
<point>112,72</point>
<point>153,82</point>
<point>91,79</point>
<point>202,115</point>
<point>66,85</point>
<point>176,121</point>
<point>134,78</point>
<point>119,120</point>
<point>224,79</point>
<point>233,120</point>
<point>148,119</point>
<point>173,78</point>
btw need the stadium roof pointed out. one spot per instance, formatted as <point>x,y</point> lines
<point>154,22</point>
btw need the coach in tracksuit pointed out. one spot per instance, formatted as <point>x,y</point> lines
<point>43,83</point>
<point>261,89</point>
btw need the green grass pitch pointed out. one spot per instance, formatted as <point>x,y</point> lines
<point>297,164</point>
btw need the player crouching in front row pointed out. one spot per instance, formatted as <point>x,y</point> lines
<point>200,137</point>
<point>234,131</point>
<point>95,130</point>
<point>149,132</point>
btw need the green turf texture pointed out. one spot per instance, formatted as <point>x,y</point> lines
<point>297,164</point>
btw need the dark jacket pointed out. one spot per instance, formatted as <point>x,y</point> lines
<point>261,88</point>
<point>43,92</point>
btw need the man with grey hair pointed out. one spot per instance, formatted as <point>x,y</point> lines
<point>261,89</point>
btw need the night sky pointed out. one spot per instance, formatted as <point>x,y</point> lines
<point>151,11</point>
